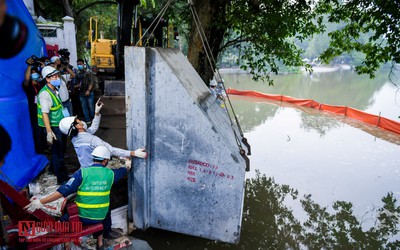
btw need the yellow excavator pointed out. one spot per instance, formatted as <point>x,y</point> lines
<point>107,54</point>
<point>102,51</point>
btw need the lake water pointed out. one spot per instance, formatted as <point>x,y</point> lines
<point>327,156</point>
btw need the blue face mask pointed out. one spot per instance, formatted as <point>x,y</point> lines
<point>35,76</point>
<point>46,63</point>
<point>56,83</point>
<point>80,67</point>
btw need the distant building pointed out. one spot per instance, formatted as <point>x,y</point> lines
<point>57,35</point>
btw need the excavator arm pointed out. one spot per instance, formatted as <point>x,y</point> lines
<point>126,10</point>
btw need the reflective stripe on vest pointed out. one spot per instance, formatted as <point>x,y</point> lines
<point>93,193</point>
<point>92,205</point>
<point>93,196</point>
<point>55,114</point>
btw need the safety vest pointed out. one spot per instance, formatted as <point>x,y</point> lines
<point>55,114</point>
<point>93,196</point>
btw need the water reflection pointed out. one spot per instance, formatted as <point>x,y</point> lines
<point>269,224</point>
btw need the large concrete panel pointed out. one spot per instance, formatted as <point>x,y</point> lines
<point>193,181</point>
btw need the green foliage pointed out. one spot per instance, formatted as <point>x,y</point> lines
<point>264,36</point>
<point>343,230</point>
<point>264,203</point>
<point>268,36</point>
<point>378,19</point>
<point>340,229</point>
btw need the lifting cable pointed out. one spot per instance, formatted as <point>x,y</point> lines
<point>158,18</point>
<point>211,60</point>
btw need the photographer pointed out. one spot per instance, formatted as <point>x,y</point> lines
<point>66,74</point>
<point>32,84</point>
<point>45,60</point>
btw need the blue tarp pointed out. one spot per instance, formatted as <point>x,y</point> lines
<point>22,163</point>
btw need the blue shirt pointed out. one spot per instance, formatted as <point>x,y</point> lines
<point>76,180</point>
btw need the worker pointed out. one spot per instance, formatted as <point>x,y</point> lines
<point>49,112</point>
<point>92,186</point>
<point>221,89</point>
<point>213,85</point>
<point>66,73</point>
<point>86,80</point>
<point>85,141</point>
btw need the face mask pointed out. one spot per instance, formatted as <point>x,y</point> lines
<point>35,76</point>
<point>56,83</point>
<point>46,63</point>
<point>84,125</point>
<point>80,67</point>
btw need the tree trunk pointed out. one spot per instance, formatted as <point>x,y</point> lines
<point>67,8</point>
<point>210,14</point>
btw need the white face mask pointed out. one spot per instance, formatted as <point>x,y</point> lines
<point>84,125</point>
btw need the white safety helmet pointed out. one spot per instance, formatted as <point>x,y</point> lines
<point>67,124</point>
<point>101,153</point>
<point>213,83</point>
<point>54,58</point>
<point>48,71</point>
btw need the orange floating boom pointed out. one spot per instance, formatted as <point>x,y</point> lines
<point>375,120</point>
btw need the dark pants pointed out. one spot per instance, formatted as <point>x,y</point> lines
<point>106,223</point>
<point>87,103</point>
<point>39,137</point>
<point>57,156</point>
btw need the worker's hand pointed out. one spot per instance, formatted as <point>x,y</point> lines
<point>128,163</point>
<point>140,153</point>
<point>33,206</point>
<point>50,137</point>
<point>99,105</point>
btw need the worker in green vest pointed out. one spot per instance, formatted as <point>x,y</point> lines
<point>92,186</point>
<point>50,113</point>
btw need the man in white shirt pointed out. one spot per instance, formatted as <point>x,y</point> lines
<point>85,141</point>
<point>66,75</point>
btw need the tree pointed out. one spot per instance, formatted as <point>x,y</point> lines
<point>265,26</point>
<point>261,26</point>
<point>266,30</point>
<point>379,18</point>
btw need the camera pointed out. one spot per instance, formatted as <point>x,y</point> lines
<point>36,61</point>
<point>14,34</point>
<point>64,56</point>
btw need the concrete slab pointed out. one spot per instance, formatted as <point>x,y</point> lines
<point>193,181</point>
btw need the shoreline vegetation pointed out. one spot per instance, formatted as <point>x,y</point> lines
<point>316,69</point>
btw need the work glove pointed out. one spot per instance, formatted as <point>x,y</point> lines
<point>33,206</point>
<point>128,163</point>
<point>50,137</point>
<point>140,153</point>
<point>99,105</point>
